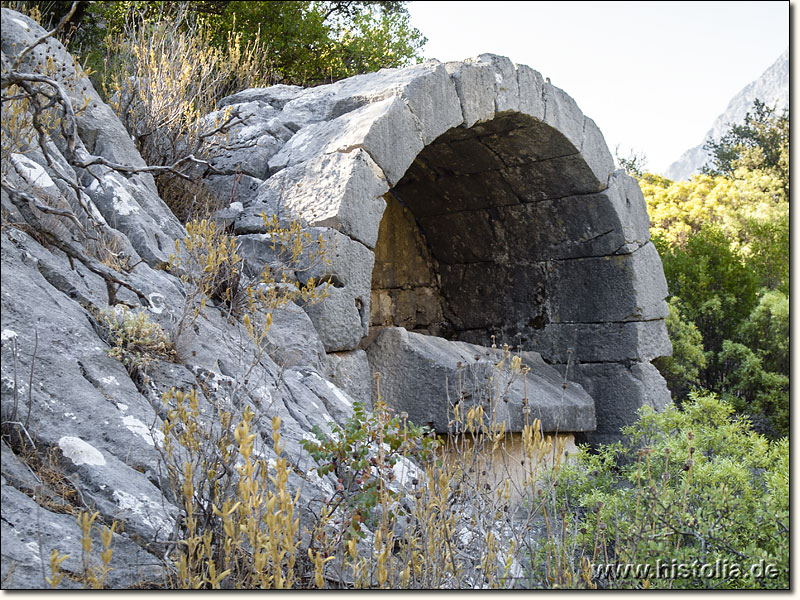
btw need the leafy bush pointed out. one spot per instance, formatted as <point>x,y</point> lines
<point>363,455</point>
<point>691,487</point>
<point>768,328</point>
<point>754,390</point>
<point>209,266</point>
<point>716,288</point>
<point>92,577</point>
<point>768,252</point>
<point>682,369</point>
<point>742,331</point>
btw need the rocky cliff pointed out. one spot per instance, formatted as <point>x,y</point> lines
<point>456,202</point>
<point>772,88</point>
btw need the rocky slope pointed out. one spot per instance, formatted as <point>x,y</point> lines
<point>517,225</point>
<point>772,88</point>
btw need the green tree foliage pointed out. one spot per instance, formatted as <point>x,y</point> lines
<point>320,42</point>
<point>769,251</point>
<point>760,143</point>
<point>307,42</point>
<point>723,237</point>
<point>769,325</point>
<point>752,389</point>
<point>682,369</point>
<point>716,288</point>
<point>743,328</point>
<point>749,207</point>
<point>691,484</point>
<point>756,366</point>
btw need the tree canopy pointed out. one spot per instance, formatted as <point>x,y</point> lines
<point>308,42</point>
<point>760,143</point>
<point>723,237</point>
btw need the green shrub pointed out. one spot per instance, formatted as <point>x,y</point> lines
<point>682,369</point>
<point>754,390</point>
<point>768,329</point>
<point>691,487</point>
<point>717,290</point>
<point>743,331</point>
<point>363,454</point>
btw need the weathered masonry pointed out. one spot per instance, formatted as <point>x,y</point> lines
<point>464,201</point>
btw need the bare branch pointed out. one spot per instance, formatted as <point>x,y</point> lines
<point>78,156</point>
<point>49,209</point>
<point>30,379</point>
<point>24,79</point>
<point>20,200</point>
<point>174,168</point>
<point>51,33</point>
<point>233,119</point>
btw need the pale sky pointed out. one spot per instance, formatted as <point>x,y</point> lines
<point>652,75</point>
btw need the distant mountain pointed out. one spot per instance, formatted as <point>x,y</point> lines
<point>772,88</point>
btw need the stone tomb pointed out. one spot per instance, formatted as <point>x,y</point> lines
<point>471,202</point>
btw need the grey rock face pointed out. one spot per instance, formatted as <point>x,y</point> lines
<point>375,127</point>
<point>257,139</point>
<point>339,190</point>
<point>132,206</point>
<point>428,377</point>
<point>276,96</point>
<point>342,318</point>
<point>350,372</point>
<point>26,544</point>
<point>474,83</point>
<point>593,342</point>
<point>292,339</point>
<point>233,190</point>
<point>99,424</point>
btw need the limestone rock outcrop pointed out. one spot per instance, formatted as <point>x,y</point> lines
<point>461,201</point>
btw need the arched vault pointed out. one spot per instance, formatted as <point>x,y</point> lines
<point>474,199</point>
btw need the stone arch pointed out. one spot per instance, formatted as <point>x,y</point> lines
<point>499,187</point>
<point>474,214</point>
